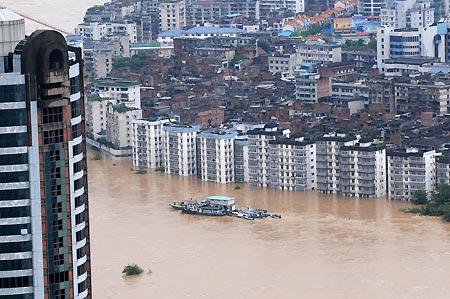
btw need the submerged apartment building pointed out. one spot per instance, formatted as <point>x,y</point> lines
<point>410,170</point>
<point>258,153</point>
<point>180,149</point>
<point>292,164</point>
<point>362,169</point>
<point>44,231</point>
<point>327,159</point>
<point>215,156</point>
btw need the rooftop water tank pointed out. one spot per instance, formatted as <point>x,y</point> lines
<point>12,30</point>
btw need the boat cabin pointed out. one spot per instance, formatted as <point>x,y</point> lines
<point>227,203</point>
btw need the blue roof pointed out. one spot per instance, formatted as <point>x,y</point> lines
<point>213,30</point>
<point>181,129</point>
<point>101,133</point>
<point>217,135</point>
<point>286,33</point>
<point>219,197</point>
<point>440,69</point>
<point>172,33</point>
<point>232,15</point>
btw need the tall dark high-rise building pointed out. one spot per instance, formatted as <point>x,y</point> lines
<point>44,232</point>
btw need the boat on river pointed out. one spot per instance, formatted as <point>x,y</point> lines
<point>179,205</point>
<point>204,209</point>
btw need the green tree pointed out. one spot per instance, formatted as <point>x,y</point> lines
<point>372,44</point>
<point>419,197</point>
<point>132,269</point>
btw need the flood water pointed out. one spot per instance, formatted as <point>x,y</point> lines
<point>63,14</point>
<point>323,247</point>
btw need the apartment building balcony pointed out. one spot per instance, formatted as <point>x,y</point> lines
<point>366,162</point>
<point>366,169</point>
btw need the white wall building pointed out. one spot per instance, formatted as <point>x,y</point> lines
<point>172,14</point>
<point>327,161</point>
<point>442,171</point>
<point>180,154</point>
<point>126,92</point>
<point>96,110</point>
<point>284,64</point>
<point>319,53</point>
<point>362,170</point>
<point>118,126</point>
<point>407,14</point>
<point>292,164</point>
<point>147,142</point>
<point>98,31</point>
<point>410,170</point>
<point>266,7</point>
<point>215,156</point>
<point>426,42</point>
<point>258,153</point>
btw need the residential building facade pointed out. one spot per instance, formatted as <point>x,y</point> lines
<point>180,149</point>
<point>327,161</point>
<point>147,143</point>
<point>215,156</point>
<point>292,164</point>
<point>410,170</point>
<point>362,170</point>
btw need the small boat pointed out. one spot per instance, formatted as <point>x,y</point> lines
<point>276,216</point>
<point>179,205</point>
<point>242,214</point>
<point>256,213</point>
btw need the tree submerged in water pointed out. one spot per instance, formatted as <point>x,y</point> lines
<point>437,205</point>
<point>132,269</point>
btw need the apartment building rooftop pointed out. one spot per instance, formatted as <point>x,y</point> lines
<point>217,134</point>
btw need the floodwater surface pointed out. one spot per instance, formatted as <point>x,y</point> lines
<point>323,247</point>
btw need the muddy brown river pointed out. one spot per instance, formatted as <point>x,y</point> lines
<point>323,247</point>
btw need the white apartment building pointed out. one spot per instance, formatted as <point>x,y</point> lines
<point>241,172</point>
<point>310,87</point>
<point>258,153</point>
<point>370,7</point>
<point>412,43</point>
<point>118,126</point>
<point>362,170</point>
<point>147,142</point>
<point>172,14</point>
<point>319,53</point>
<point>98,31</point>
<point>215,156</point>
<point>410,170</point>
<point>284,64</point>
<point>407,14</point>
<point>96,110</point>
<point>292,164</point>
<point>442,171</point>
<point>266,7</point>
<point>180,154</point>
<point>327,161</point>
<point>126,92</point>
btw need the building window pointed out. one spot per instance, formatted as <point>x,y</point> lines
<point>55,173</point>
<point>56,207</point>
<point>52,115</point>
<point>56,190</point>
<point>74,85</point>
<point>58,259</point>
<point>57,225</point>
<point>75,108</point>
<point>53,136</point>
